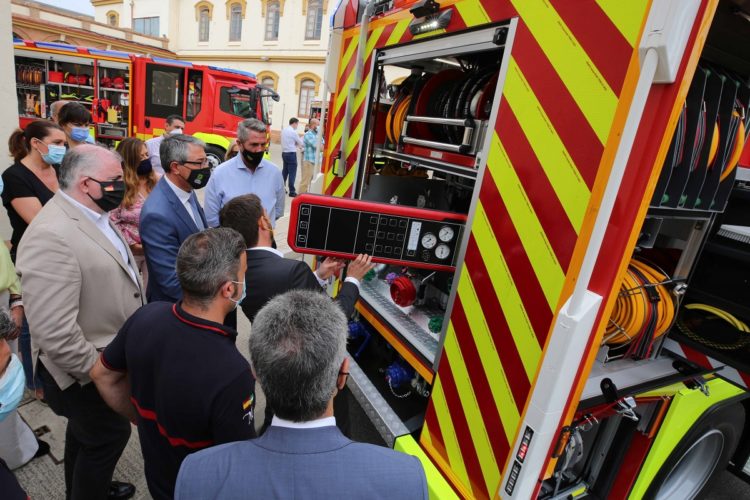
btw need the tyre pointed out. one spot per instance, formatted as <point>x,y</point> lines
<point>215,155</point>
<point>700,457</point>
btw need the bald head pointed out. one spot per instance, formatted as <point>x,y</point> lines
<point>314,124</point>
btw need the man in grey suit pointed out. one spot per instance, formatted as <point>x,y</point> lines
<point>79,285</point>
<point>298,352</point>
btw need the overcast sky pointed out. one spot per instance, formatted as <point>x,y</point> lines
<point>82,6</point>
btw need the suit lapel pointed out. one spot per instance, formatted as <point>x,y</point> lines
<point>87,226</point>
<point>178,208</point>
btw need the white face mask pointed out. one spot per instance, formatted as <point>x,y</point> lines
<point>176,131</point>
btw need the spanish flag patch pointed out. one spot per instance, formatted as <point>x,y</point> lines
<point>249,402</point>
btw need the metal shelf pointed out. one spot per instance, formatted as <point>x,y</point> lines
<point>679,213</point>
<point>108,89</point>
<point>469,173</point>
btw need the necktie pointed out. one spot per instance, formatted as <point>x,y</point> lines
<point>196,212</point>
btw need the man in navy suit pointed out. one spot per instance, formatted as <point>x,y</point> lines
<point>298,353</point>
<point>172,212</point>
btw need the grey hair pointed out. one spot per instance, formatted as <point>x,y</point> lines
<point>297,345</point>
<point>247,125</point>
<point>175,148</point>
<point>82,161</point>
<point>7,326</point>
<point>206,260</point>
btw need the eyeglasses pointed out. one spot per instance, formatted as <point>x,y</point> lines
<point>201,163</point>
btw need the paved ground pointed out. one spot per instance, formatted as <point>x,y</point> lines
<point>43,478</point>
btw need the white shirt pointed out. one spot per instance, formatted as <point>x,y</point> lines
<point>184,198</point>
<point>290,140</point>
<point>153,153</point>
<point>312,424</point>
<point>323,283</point>
<point>101,221</point>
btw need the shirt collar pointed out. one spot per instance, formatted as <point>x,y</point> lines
<point>201,323</point>
<point>182,195</point>
<point>312,424</point>
<point>268,249</point>
<point>94,216</point>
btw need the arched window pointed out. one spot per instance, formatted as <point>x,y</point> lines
<point>235,23</point>
<point>306,96</point>
<point>314,20</point>
<point>204,22</point>
<point>272,21</point>
<point>113,18</point>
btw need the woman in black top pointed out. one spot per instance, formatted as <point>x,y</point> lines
<point>31,181</point>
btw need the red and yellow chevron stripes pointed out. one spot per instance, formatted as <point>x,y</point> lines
<point>561,95</point>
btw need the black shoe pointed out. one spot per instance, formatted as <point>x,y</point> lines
<point>292,195</point>
<point>43,448</point>
<point>120,491</point>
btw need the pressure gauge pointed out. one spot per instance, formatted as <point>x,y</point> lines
<point>442,251</point>
<point>429,240</point>
<point>446,233</point>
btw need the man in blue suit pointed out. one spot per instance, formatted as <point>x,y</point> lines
<point>172,212</point>
<point>298,353</point>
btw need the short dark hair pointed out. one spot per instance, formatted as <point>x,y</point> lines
<point>206,260</point>
<point>242,214</point>
<point>73,112</point>
<point>293,120</point>
<point>172,118</point>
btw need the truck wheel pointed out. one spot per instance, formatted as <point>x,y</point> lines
<point>215,155</point>
<point>702,454</point>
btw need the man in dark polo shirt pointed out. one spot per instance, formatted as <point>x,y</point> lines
<point>174,369</point>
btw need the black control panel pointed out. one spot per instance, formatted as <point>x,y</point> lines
<point>410,240</point>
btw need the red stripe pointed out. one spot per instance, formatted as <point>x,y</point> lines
<point>569,122</point>
<point>745,378</point>
<point>558,228</point>
<point>524,278</point>
<point>436,434</point>
<point>198,325</point>
<point>696,357</point>
<point>501,335</point>
<point>463,435</point>
<point>173,441</point>
<point>600,39</point>
<point>490,412</point>
<point>382,39</point>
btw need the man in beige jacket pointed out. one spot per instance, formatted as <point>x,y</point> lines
<point>80,285</point>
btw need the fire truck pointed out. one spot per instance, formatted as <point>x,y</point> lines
<point>131,95</point>
<point>551,191</point>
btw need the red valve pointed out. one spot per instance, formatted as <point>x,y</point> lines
<point>403,291</point>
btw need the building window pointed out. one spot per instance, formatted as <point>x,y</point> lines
<point>269,82</point>
<point>204,22</point>
<point>272,21</point>
<point>113,18</point>
<point>146,25</point>
<point>314,20</point>
<point>235,23</point>
<point>306,95</point>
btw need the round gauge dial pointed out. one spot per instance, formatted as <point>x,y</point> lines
<point>446,233</point>
<point>429,240</point>
<point>442,251</point>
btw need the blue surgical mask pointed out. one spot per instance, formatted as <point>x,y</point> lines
<point>54,155</point>
<point>244,293</point>
<point>11,387</point>
<point>79,134</point>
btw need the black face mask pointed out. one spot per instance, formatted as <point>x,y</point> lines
<point>198,178</point>
<point>144,167</point>
<point>112,194</point>
<point>253,159</point>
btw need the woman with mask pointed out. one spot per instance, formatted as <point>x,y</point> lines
<point>74,119</point>
<point>28,184</point>
<point>140,179</point>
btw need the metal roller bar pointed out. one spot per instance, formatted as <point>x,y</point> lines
<point>461,122</point>
<point>437,145</point>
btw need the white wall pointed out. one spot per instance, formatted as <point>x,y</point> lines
<point>8,114</point>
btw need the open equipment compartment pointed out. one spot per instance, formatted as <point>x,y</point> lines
<point>431,103</point>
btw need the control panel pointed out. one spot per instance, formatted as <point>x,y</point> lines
<point>392,234</point>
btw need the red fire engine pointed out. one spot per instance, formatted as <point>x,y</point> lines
<point>560,306</point>
<point>131,95</point>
